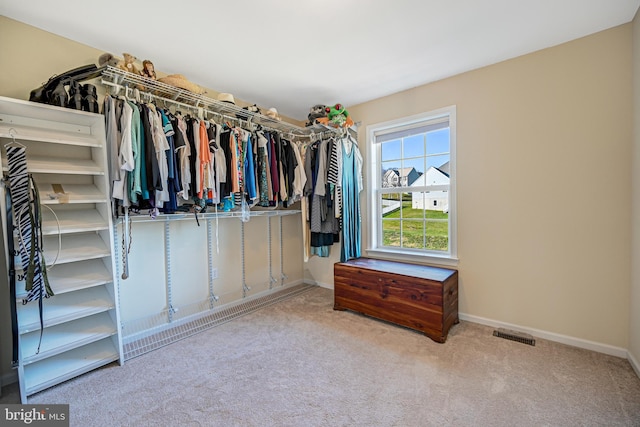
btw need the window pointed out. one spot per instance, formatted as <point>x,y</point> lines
<point>412,177</point>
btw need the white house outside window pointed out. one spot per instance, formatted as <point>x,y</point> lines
<point>412,175</point>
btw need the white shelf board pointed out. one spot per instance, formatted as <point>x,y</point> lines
<point>19,114</point>
<point>57,165</point>
<point>28,133</point>
<point>64,308</point>
<point>75,247</point>
<point>73,221</point>
<point>71,277</point>
<point>76,193</point>
<point>64,366</point>
<point>66,336</point>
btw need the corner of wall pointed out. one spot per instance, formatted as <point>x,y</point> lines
<point>634,298</point>
<point>634,363</point>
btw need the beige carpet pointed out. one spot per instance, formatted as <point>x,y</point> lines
<point>299,363</point>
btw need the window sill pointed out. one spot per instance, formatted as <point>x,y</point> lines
<point>400,255</point>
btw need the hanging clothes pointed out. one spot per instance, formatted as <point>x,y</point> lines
<point>161,145</point>
<point>172,183</point>
<point>249,170</point>
<point>220,166</point>
<point>151,161</point>
<point>300,178</point>
<point>125,159</point>
<point>263,169</point>
<point>351,187</point>
<point>183,152</point>
<point>134,186</point>
<point>204,161</point>
<point>324,226</point>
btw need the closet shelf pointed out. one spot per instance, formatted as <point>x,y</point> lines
<point>26,133</point>
<point>67,365</point>
<point>75,247</point>
<point>49,165</point>
<point>87,274</point>
<point>74,193</point>
<point>118,79</point>
<point>72,221</point>
<point>64,308</point>
<point>66,336</point>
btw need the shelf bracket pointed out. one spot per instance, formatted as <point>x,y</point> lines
<point>245,288</point>
<point>167,262</point>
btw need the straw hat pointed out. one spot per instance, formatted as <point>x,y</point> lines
<point>226,97</point>
<point>272,113</point>
<point>178,80</point>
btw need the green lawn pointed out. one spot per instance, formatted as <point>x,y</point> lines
<point>410,222</point>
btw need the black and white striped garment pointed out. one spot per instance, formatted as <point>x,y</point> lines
<point>332,172</point>
<point>28,220</point>
<point>334,175</point>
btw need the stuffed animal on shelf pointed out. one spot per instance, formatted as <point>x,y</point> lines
<point>316,112</point>
<point>128,64</point>
<point>148,70</point>
<point>337,115</point>
<point>108,59</point>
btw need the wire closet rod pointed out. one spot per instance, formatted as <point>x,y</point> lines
<point>119,79</point>
<point>201,112</point>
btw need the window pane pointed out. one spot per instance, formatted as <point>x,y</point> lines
<point>413,146</point>
<point>413,234</point>
<point>436,201</point>
<point>391,232</point>
<point>391,150</point>
<point>437,233</point>
<point>412,170</point>
<point>440,162</point>
<point>391,205</point>
<point>390,175</point>
<point>438,141</point>
<point>417,201</point>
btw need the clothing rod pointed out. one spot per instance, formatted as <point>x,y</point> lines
<point>205,111</point>
<point>113,76</point>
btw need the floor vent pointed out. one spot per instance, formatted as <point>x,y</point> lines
<point>514,336</point>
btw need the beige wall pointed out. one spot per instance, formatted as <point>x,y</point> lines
<point>544,178</point>
<point>634,324</point>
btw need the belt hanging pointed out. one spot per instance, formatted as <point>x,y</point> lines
<point>12,280</point>
<point>26,211</point>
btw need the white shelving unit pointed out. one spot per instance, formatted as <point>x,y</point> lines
<point>66,150</point>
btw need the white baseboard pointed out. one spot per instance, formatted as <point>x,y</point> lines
<point>9,378</point>
<point>634,363</point>
<point>321,284</point>
<point>551,336</point>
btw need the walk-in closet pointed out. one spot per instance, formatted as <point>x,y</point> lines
<point>144,244</point>
<point>283,213</point>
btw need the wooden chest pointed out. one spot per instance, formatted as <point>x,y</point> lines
<point>416,296</point>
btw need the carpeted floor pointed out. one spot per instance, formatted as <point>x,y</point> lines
<point>299,363</point>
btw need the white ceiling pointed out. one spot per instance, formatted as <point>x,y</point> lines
<point>292,54</point>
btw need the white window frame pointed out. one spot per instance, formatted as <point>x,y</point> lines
<point>374,206</point>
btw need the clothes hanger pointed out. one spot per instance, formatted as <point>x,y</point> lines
<point>13,142</point>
